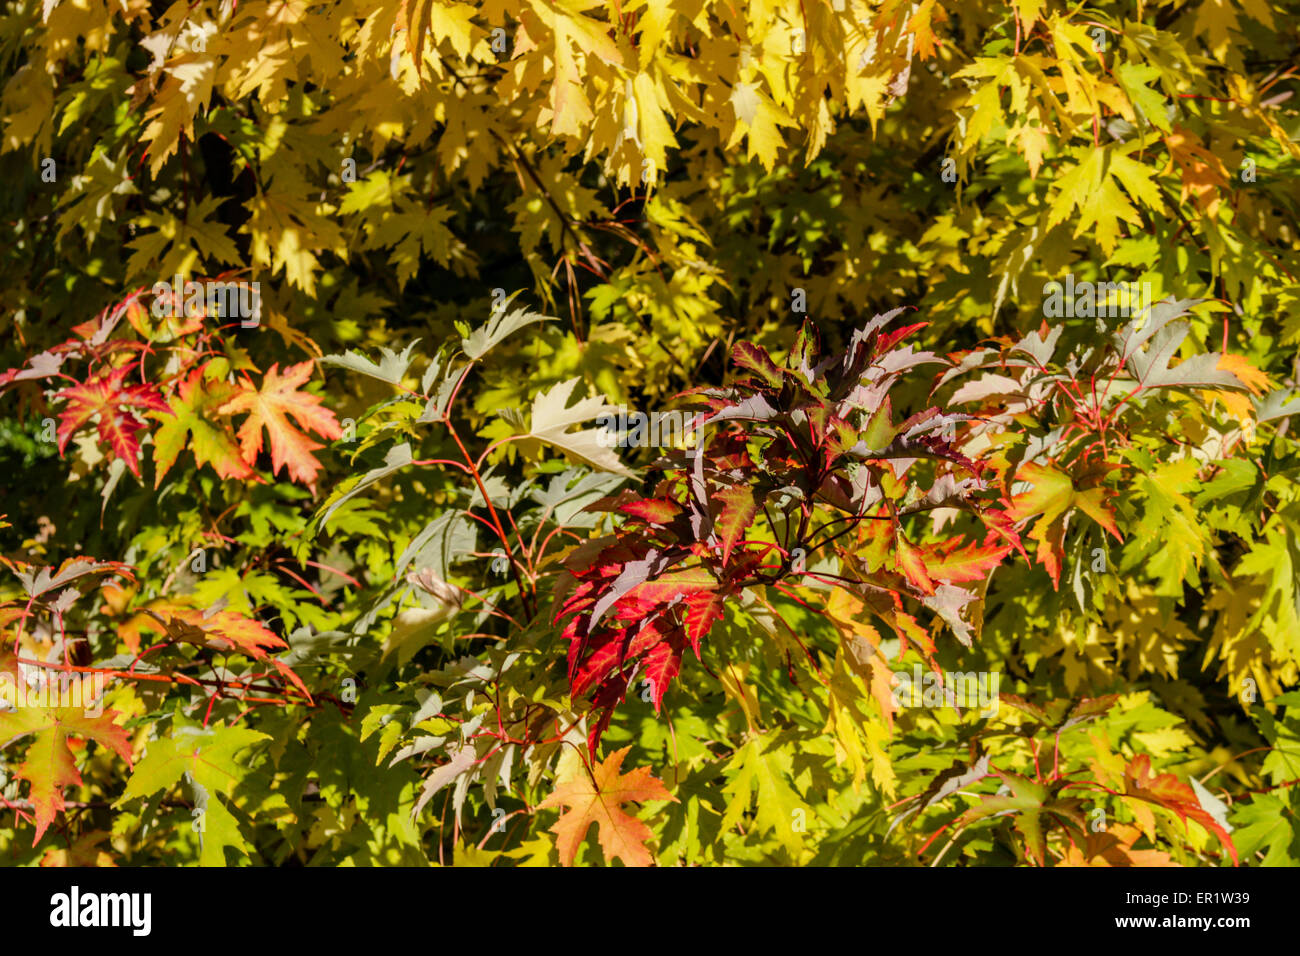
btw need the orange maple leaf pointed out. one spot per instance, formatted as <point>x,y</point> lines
<point>1203,173</point>
<point>1166,790</point>
<point>270,407</point>
<point>84,851</point>
<point>1114,847</point>
<point>922,23</point>
<point>1251,377</point>
<point>224,631</point>
<point>597,799</point>
<point>1052,494</point>
<point>221,631</point>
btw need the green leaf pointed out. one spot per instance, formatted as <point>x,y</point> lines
<point>552,417</point>
<point>500,325</point>
<point>391,367</point>
<point>208,757</point>
<point>397,458</point>
<point>758,772</point>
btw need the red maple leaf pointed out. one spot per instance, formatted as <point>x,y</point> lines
<point>114,403</point>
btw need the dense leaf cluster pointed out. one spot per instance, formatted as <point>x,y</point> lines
<point>342,518</point>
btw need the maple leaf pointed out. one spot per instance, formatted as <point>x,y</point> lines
<point>84,851</point>
<point>113,403</point>
<point>1091,187</point>
<point>39,581</point>
<point>224,631</point>
<point>391,368</point>
<point>462,759</point>
<point>912,565</point>
<point>1246,373</point>
<point>570,108</point>
<point>89,199</point>
<point>1026,802</point>
<point>42,365</point>
<point>951,562</point>
<point>552,416</point>
<point>737,511</point>
<point>660,511</point>
<point>1028,11</point>
<point>1203,173</point>
<point>662,664</point>
<point>755,359</point>
<point>1265,827</point>
<point>207,757</point>
<point>762,767</point>
<point>415,232</point>
<point>639,586</point>
<point>181,245</point>
<point>1114,847</point>
<point>186,88</point>
<point>131,626</point>
<point>703,608</point>
<point>606,650</point>
<point>421,18</point>
<point>598,799</point>
<point>285,229</point>
<point>1149,103</point>
<point>1168,791</point>
<point>1169,518</point>
<point>270,407</point>
<point>498,326</point>
<point>1053,494</point>
<point>191,415</point>
<point>922,25</point>
<point>646,117</point>
<point>758,119</point>
<point>48,765</point>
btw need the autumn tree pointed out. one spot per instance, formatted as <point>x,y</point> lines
<point>337,339</point>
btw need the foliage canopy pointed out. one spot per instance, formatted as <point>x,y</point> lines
<point>341,343</point>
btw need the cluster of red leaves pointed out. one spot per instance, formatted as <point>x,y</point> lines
<point>815,436</point>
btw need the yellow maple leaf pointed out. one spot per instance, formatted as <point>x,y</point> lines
<point>654,135</point>
<point>1250,376</point>
<point>1090,187</point>
<point>758,118</point>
